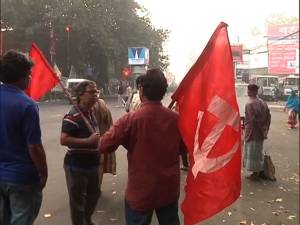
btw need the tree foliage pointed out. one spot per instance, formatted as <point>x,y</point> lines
<point>101,32</point>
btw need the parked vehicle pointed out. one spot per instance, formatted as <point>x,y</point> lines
<point>287,84</point>
<point>241,90</point>
<point>268,86</point>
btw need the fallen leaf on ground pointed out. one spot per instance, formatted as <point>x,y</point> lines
<point>47,215</point>
<point>229,213</point>
<point>278,200</point>
<point>113,219</point>
<point>252,209</point>
<point>243,222</point>
<point>291,217</point>
<point>114,193</point>
<point>100,211</point>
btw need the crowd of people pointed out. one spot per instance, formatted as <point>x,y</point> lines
<point>91,139</point>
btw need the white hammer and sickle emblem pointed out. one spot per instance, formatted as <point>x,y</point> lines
<point>227,116</point>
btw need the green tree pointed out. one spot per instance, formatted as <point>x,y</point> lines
<point>101,32</point>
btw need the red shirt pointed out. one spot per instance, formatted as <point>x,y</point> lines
<point>152,139</point>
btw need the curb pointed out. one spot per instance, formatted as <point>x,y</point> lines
<point>278,108</point>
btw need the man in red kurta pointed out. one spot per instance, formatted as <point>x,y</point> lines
<point>152,139</point>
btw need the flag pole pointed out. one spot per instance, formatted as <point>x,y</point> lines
<point>171,104</point>
<point>68,95</point>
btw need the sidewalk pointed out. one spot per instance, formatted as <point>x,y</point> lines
<point>277,106</point>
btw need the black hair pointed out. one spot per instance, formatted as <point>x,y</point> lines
<point>138,80</point>
<point>81,88</point>
<point>14,66</point>
<point>154,84</point>
<point>253,87</point>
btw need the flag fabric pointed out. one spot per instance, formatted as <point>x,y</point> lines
<point>209,123</point>
<point>57,71</point>
<point>43,77</point>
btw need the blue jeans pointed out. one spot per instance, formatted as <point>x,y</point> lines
<point>167,215</point>
<point>19,203</point>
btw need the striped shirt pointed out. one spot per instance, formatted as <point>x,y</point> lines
<point>73,125</point>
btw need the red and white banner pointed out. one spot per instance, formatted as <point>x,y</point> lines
<point>209,123</point>
<point>283,57</point>
<point>280,31</point>
<point>237,53</point>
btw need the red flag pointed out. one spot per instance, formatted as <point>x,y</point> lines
<point>209,122</point>
<point>43,78</point>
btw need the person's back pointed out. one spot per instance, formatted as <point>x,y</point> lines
<point>23,167</point>
<point>257,123</point>
<point>152,139</point>
<point>15,162</point>
<point>153,157</point>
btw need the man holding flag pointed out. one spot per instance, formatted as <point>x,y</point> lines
<point>153,142</point>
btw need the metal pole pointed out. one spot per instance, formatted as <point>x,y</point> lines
<point>68,51</point>
<point>1,40</point>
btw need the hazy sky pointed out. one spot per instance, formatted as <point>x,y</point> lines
<point>192,22</point>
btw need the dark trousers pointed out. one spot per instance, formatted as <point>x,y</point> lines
<point>83,188</point>
<point>167,215</point>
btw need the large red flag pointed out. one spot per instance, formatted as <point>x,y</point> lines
<point>209,122</point>
<point>43,77</point>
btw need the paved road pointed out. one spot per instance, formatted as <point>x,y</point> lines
<point>272,203</point>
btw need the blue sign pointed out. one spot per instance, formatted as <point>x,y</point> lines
<point>138,56</point>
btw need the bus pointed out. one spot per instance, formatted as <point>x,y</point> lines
<point>287,84</point>
<point>268,86</point>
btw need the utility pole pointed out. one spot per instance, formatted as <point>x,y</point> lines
<point>52,44</point>
<point>68,30</point>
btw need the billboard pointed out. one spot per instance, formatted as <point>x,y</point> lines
<point>237,53</point>
<point>138,56</point>
<point>283,49</point>
<point>279,31</point>
<point>284,57</point>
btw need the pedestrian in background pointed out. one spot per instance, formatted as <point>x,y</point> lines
<point>292,106</point>
<point>23,166</point>
<point>81,162</point>
<point>257,123</point>
<point>104,121</point>
<point>152,139</point>
<point>121,101</point>
<point>134,102</point>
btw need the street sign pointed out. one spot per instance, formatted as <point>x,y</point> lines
<point>138,56</point>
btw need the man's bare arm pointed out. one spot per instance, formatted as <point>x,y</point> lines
<point>38,156</point>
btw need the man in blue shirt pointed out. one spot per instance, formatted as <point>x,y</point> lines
<point>23,167</point>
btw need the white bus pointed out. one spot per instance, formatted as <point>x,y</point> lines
<point>287,84</point>
<point>267,86</point>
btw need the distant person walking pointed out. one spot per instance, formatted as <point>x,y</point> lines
<point>134,102</point>
<point>292,106</point>
<point>121,101</point>
<point>23,167</point>
<point>104,121</point>
<point>257,123</point>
